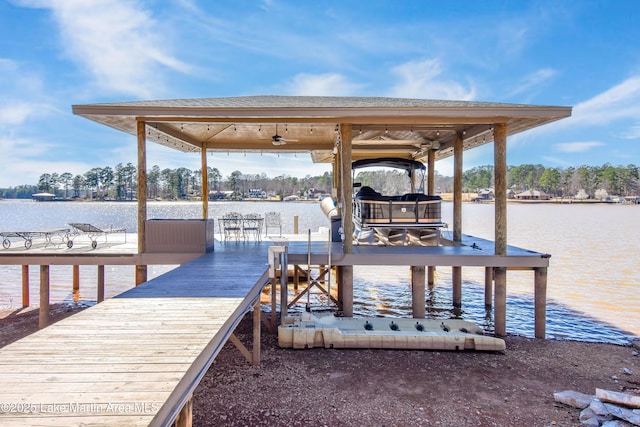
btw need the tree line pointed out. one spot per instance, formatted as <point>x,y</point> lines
<point>595,182</point>
<point>120,182</point>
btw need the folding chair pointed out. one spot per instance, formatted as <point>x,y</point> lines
<point>272,219</point>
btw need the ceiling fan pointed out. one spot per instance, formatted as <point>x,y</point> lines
<point>278,140</point>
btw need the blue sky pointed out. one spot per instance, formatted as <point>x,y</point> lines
<point>55,53</point>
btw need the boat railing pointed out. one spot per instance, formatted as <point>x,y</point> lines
<point>413,209</point>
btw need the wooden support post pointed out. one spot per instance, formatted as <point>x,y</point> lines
<point>25,286</point>
<point>347,290</point>
<point>43,319</point>
<point>76,278</point>
<point>273,322</point>
<point>295,224</point>
<point>185,416</point>
<point>204,194</point>
<point>100,293</point>
<point>347,188</point>
<point>347,218</point>
<point>339,282</point>
<point>296,277</point>
<point>418,295</point>
<point>540,301</point>
<point>500,302</point>
<point>141,270</point>
<point>488,286</point>
<point>284,287</point>
<point>431,187</point>
<point>457,187</point>
<point>456,281</point>
<point>500,172</point>
<point>255,359</point>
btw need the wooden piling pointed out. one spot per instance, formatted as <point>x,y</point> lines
<point>431,276</point>
<point>540,302</point>
<point>43,318</point>
<point>76,278</point>
<point>488,286</point>
<point>25,286</point>
<point>100,293</point>
<point>418,295</point>
<point>500,301</point>
<point>456,282</point>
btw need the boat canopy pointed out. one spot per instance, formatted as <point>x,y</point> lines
<point>408,165</point>
<point>389,162</point>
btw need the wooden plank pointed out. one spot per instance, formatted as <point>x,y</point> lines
<point>135,348</point>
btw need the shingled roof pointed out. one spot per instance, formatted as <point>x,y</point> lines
<point>381,127</point>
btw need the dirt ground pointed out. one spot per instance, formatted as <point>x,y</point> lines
<point>325,387</point>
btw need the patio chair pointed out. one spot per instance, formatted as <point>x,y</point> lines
<point>231,226</point>
<point>252,226</point>
<point>93,232</point>
<point>272,219</point>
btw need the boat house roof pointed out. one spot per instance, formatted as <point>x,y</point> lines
<point>381,127</point>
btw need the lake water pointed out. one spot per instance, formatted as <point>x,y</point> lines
<point>593,278</point>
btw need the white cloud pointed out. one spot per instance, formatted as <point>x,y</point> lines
<point>330,84</point>
<point>620,102</point>
<point>118,42</point>
<point>632,133</point>
<point>576,147</point>
<point>422,79</point>
<point>532,81</point>
<point>16,113</point>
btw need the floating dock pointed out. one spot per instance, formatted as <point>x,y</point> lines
<point>309,331</point>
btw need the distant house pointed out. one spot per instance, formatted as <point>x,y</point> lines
<point>43,197</point>
<point>533,195</point>
<point>486,194</point>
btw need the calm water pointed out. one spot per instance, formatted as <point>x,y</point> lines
<point>592,283</point>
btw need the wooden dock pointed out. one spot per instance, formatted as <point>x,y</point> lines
<point>136,358</point>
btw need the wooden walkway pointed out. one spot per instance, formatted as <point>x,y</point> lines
<point>136,358</point>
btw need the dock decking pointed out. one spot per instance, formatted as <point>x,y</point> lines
<point>133,359</point>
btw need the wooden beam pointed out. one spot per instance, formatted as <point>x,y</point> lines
<point>245,352</point>
<point>141,270</point>
<point>185,416</point>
